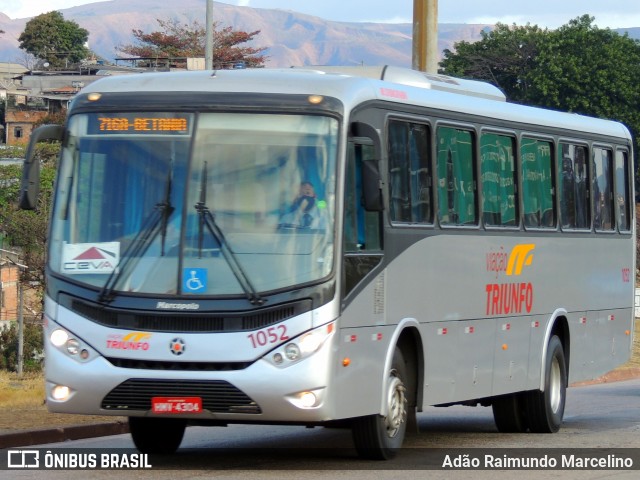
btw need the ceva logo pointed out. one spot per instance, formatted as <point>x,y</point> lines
<point>91,258</point>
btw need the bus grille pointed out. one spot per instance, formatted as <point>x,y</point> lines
<point>182,366</point>
<point>217,396</point>
<point>184,322</point>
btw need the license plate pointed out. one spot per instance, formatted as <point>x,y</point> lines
<point>176,405</point>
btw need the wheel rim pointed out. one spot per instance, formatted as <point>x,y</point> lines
<point>555,386</point>
<point>396,405</point>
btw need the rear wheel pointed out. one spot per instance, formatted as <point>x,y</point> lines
<point>377,437</point>
<point>545,410</point>
<point>509,413</point>
<point>156,435</point>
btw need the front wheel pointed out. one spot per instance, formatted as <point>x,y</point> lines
<point>156,435</point>
<point>545,410</point>
<point>377,437</point>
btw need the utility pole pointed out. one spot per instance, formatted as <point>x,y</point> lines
<point>425,36</point>
<point>208,49</point>
<point>20,326</point>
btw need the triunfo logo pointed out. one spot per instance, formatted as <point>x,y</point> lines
<point>510,263</point>
<point>130,341</point>
<point>520,256</point>
<point>514,297</point>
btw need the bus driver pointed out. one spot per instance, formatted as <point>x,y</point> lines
<point>304,212</point>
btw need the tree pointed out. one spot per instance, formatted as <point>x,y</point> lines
<point>188,40</point>
<point>583,69</point>
<point>578,68</point>
<point>33,347</point>
<point>26,230</point>
<point>55,40</point>
<point>503,57</point>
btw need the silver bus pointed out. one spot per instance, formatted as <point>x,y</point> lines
<point>331,247</point>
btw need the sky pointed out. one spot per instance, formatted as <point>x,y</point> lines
<point>544,13</point>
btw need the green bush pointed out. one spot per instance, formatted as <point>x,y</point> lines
<point>33,348</point>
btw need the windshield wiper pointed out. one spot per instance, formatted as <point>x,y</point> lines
<point>156,222</point>
<point>206,218</point>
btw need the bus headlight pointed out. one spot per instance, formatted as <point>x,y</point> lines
<point>72,346</point>
<point>59,337</point>
<point>301,347</point>
<point>292,351</point>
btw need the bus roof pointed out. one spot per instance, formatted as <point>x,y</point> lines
<point>355,85</point>
<point>406,76</point>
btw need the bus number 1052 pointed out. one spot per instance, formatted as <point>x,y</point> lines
<point>268,336</point>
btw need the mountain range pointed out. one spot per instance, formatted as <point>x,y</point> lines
<point>292,39</point>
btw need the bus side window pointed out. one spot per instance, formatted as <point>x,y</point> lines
<point>622,197</point>
<point>497,160</point>
<point>410,197</point>
<point>573,186</point>
<point>456,177</point>
<point>362,229</point>
<point>602,190</point>
<point>537,184</point>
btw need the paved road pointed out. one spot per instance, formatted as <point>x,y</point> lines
<point>605,416</point>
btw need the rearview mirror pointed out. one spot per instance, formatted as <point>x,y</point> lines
<point>30,185</point>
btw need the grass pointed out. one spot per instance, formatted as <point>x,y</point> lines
<point>24,391</point>
<point>22,406</point>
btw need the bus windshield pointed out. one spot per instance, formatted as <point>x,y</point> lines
<point>195,204</point>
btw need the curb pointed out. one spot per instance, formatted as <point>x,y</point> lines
<point>62,434</point>
<point>618,375</point>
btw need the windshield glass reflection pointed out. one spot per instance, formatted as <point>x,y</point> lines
<point>206,210</point>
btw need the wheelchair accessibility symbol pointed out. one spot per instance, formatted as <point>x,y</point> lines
<point>194,280</point>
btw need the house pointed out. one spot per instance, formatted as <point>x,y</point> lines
<point>36,94</point>
<point>32,95</point>
<point>8,292</point>
<point>10,70</point>
<point>20,123</point>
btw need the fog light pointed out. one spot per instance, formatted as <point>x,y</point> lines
<point>84,354</point>
<point>60,393</point>
<point>277,358</point>
<point>307,399</point>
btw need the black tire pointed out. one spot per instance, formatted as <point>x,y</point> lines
<point>545,410</point>
<point>509,413</point>
<point>157,435</point>
<point>377,437</point>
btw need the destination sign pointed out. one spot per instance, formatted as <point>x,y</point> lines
<point>140,124</point>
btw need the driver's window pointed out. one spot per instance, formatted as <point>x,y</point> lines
<point>362,229</point>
